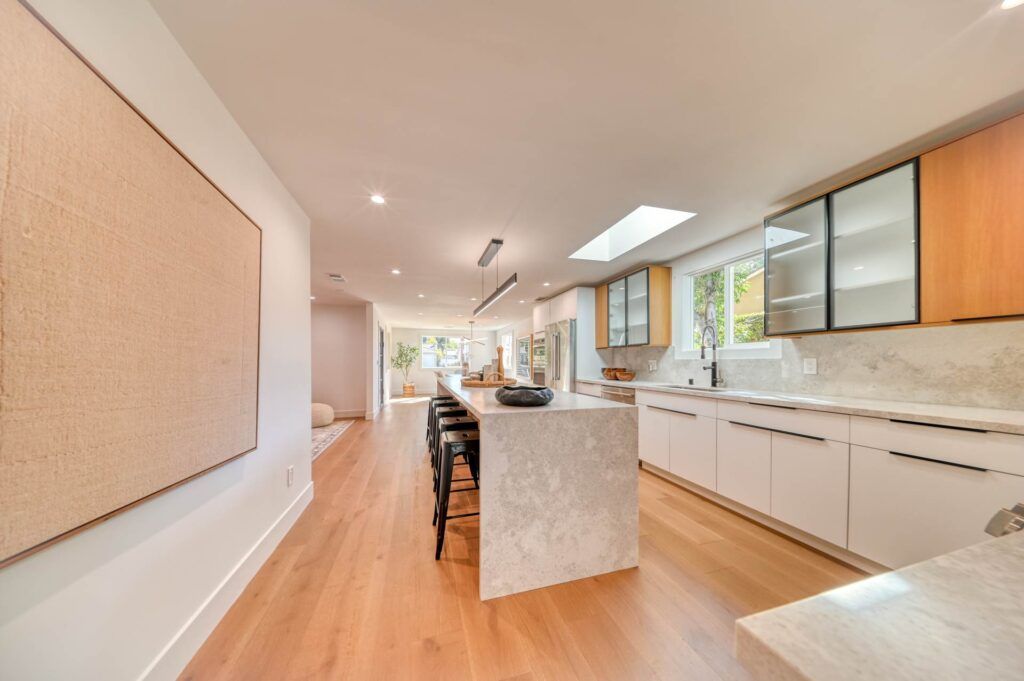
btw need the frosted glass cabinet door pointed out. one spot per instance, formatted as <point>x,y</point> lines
<point>796,291</point>
<point>874,250</point>
<point>617,313</point>
<point>637,308</point>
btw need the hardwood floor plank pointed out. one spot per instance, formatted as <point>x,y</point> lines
<point>353,591</point>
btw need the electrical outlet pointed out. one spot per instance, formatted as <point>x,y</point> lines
<point>291,475</point>
<point>810,365</point>
<point>652,365</point>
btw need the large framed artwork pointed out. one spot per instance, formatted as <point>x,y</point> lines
<point>129,301</point>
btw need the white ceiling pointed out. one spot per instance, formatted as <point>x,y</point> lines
<point>543,123</point>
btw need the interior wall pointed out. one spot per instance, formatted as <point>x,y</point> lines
<point>376,363</point>
<point>338,334</point>
<point>135,596</point>
<point>425,379</point>
<point>973,364</point>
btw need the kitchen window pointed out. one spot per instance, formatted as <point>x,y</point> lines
<point>439,352</point>
<point>725,303</point>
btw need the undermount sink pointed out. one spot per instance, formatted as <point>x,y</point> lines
<point>688,387</point>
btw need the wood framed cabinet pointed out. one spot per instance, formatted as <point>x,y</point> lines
<point>635,310</point>
<point>972,221</point>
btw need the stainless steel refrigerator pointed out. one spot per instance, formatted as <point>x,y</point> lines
<point>560,339</point>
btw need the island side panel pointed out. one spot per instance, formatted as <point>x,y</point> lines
<point>558,497</point>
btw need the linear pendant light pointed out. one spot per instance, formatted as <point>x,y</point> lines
<point>509,284</point>
<point>488,255</point>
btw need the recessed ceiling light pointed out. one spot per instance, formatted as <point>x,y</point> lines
<point>522,301</point>
<point>495,316</point>
<point>1010,4</point>
<point>460,315</point>
<point>643,224</point>
<point>547,283</point>
<point>396,271</point>
<point>378,199</point>
<point>473,299</point>
<point>419,314</point>
<point>312,297</point>
<point>419,295</point>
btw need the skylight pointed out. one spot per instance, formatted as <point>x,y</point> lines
<point>642,225</point>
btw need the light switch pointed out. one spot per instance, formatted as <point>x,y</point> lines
<point>652,365</point>
<point>810,365</point>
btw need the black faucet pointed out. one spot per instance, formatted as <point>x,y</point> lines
<point>715,379</point>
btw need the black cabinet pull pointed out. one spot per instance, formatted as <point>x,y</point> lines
<point>776,406</point>
<point>939,461</point>
<point>672,411</point>
<point>780,432</point>
<point>988,316</point>
<point>938,425</point>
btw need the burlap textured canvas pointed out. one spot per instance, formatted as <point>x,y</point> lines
<point>129,300</point>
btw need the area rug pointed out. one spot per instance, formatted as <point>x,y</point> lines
<point>325,436</point>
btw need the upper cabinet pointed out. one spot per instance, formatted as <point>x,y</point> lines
<point>874,250</point>
<point>972,226</point>
<point>845,260</point>
<point>796,290</point>
<point>635,310</point>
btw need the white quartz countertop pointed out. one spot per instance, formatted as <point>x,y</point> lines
<point>998,420</point>
<point>481,401</point>
<point>958,616</point>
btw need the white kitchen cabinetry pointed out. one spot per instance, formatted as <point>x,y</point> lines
<point>654,429</point>
<point>693,448</point>
<point>904,510</point>
<point>564,306</point>
<point>745,465</point>
<point>810,485</point>
<point>541,316</point>
<point>592,389</point>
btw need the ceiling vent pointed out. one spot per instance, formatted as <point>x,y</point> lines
<point>336,278</point>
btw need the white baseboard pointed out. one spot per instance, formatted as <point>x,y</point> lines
<point>174,657</point>
<point>349,414</point>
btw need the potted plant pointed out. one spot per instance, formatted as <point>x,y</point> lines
<point>402,360</point>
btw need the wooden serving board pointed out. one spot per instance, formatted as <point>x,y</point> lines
<point>486,384</point>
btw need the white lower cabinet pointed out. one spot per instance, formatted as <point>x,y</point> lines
<point>692,448</point>
<point>654,429</point>
<point>904,510</point>
<point>592,389</point>
<point>745,465</point>
<point>810,485</point>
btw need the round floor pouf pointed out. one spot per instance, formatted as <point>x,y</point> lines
<point>323,414</point>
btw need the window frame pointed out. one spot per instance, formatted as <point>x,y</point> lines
<point>688,349</point>
<point>423,354</point>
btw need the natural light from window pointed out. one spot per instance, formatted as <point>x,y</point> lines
<point>728,305</point>
<point>439,352</point>
<point>643,224</point>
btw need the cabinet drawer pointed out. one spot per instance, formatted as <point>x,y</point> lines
<point>992,451</point>
<point>692,448</point>
<point>905,510</point>
<point>810,485</point>
<point>687,404</point>
<point>592,389</point>
<point>803,421</point>
<point>745,465</point>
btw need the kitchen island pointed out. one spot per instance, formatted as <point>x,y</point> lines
<point>558,488</point>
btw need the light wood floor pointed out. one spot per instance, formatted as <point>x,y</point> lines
<point>353,591</point>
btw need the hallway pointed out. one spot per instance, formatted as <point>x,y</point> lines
<point>353,591</point>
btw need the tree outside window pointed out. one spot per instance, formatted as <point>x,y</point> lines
<point>439,352</point>
<point>728,304</point>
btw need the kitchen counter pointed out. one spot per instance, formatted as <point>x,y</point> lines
<point>957,616</point>
<point>997,420</point>
<point>558,488</point>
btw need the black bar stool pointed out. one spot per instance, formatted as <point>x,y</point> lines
<point>453,442</point>
<point>435,402</point>
<point>445,424</point>
<point>440,413</point>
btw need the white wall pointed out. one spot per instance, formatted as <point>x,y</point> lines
<point>425,379</point>
<point>375,364</point>
<point>135,596</point>
<point>339,339</point>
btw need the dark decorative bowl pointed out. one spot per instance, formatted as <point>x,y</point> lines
<point>524,395</point>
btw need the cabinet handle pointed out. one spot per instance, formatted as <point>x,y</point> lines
<point>776,406</point>
<point>673,411</point>
<point>987,316</point>
<point>938,425</point>
<point>780,432</point>
<point>939,461</point>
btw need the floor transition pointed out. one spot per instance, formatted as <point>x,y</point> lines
<point>353,591</point>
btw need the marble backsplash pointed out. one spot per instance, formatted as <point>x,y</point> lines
<point>980,365</point>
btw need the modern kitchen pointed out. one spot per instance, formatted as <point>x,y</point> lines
<point>696,329</point>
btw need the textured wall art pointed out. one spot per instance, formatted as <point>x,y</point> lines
<point>129,301</point>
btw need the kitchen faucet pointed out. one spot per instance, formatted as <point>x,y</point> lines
<point>715,379</point>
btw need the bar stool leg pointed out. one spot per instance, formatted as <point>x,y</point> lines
<point>441,508</point>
